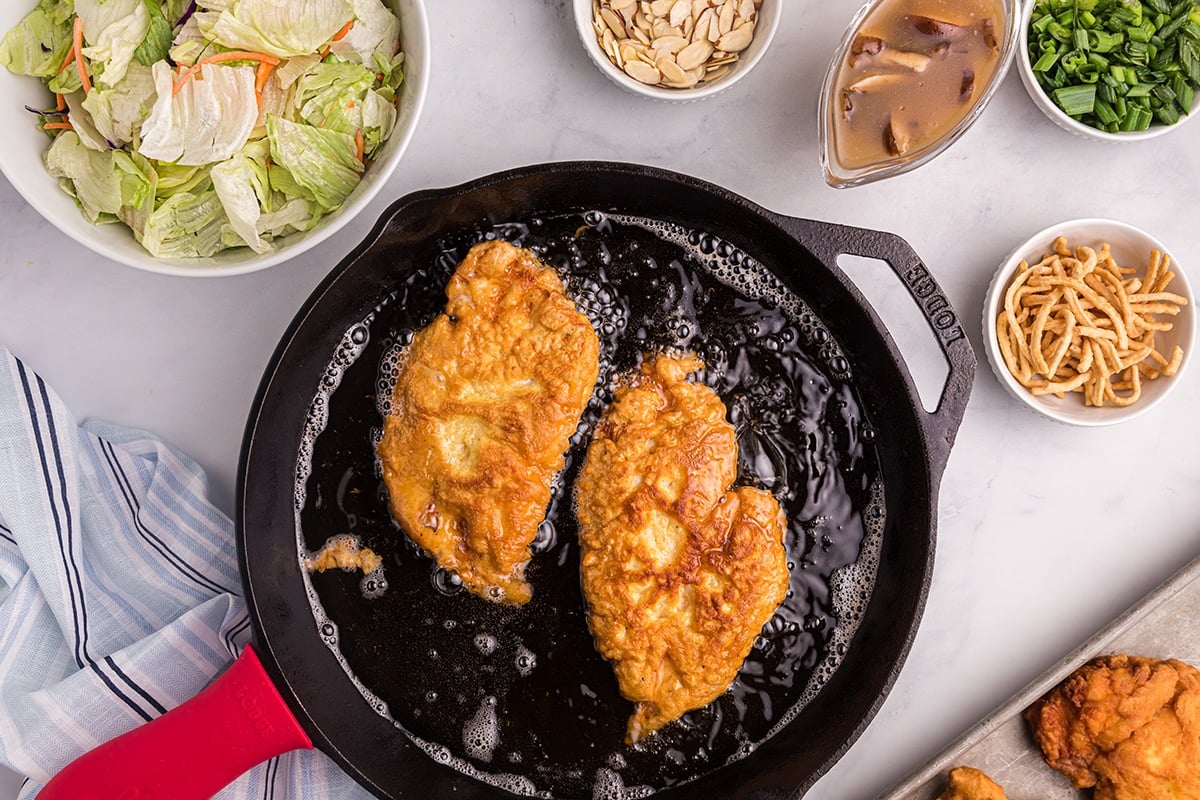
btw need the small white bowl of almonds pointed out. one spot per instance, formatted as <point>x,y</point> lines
<point>676,49</point>
<point>1090,322</point>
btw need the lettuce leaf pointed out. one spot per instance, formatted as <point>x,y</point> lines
<point>114,29</point>
<point>118,112</point>
<point>208,120</point>
<point>376,30</point>
<point>105,184</point>
<point>241,185</point>
<point>39,43</point>
<point>332,96</point>
<point>158,36</point>
<point>186,225</point>
<point>321,161</point>
<point>89,175</point>
<point>281,28</point>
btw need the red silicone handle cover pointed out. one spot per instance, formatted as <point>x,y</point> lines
<point>193,751</point>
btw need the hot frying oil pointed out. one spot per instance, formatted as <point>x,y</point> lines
<point>518,696</point>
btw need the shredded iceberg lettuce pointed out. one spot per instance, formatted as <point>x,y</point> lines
<point>216,124</point>
<point>280,28</point>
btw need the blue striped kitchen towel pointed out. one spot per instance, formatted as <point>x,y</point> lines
<point>119,592</point>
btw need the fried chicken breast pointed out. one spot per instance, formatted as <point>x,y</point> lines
<point>968,783</point>
<point>1129,726</point>
<point>679,573</point>
<point>487,399</point>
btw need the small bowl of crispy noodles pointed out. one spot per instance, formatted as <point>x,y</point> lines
<point>1089,322</point>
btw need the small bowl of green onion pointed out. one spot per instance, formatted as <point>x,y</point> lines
<point>1113,70</point>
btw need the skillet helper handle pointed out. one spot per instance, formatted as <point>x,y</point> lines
<point>827,241</point>
<point>193,751</point>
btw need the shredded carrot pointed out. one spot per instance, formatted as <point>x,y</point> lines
<point>79,64</point>
<point>58,126</point>
<point>260,81</point>
<point>232,55</point>
<point>379,77</point>
<point>337,37</point>
<point>359,145</point>
<point>60,103</point>
<point>67,61</point>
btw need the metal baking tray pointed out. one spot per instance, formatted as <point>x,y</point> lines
<point>1161,625</point>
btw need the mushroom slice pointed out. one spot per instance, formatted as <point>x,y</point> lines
<point>865,45</point>
<point>931,26</point>
<point>989,34</point>
<point>902,58</point>
<point>967,88</point>
<point>895,138</point>
<point>875,81</point>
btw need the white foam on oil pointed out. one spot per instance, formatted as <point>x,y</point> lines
<point>481,733</point>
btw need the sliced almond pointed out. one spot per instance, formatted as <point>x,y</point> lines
<point>614,23</point>
<point>621,5</point>
<point>716,74</point>
<point>736,40</point>
<point>671,72</point>
<point>694,54</point>
<point>672,44</point>
<point>700,31</point>
<point>725,19</point>
<point>747,10</point>
<point>660,28</point>
<point>680,11</point>
<point>641,36</point>
<point>642,72</point>
<point>661,8</point>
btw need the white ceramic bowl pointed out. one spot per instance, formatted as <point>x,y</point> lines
<point>1060,118</point>
<point>764,32</point>
<point>1131,248</point>
<point>21,162</point>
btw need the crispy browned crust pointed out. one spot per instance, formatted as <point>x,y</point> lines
<point>679,573</point>
<point>486,401</point>
<point>968,783</point>
<point>1127,725</point>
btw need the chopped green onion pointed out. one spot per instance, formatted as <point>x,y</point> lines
<point>1076,101</point>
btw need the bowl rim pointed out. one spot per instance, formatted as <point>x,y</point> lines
<point>1060,118</point>
<point>414,24</point>
<point>847,179</point>
<point>1084,416</point>
<point>583,28</point>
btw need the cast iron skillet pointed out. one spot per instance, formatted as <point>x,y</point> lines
<point>299,695</point>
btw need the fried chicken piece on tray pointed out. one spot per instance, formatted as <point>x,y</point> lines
<point>1127,725</point>
<point>679,573</point>
<point>968,783</point>
<point>487,399</point>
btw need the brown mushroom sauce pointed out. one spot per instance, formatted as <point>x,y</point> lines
<point>913,70</point>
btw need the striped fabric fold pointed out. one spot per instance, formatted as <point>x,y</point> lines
<point>119,592</point>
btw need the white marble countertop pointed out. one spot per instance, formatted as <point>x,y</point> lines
<point>1023,574</point>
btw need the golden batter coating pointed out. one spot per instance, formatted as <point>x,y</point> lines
<point>1127,725</point>
<point>679,573</point>
<point>487,399</point>
<point>968,783</point>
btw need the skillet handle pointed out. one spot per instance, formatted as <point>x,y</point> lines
<point>193,751</point>
<point>827,241</point>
